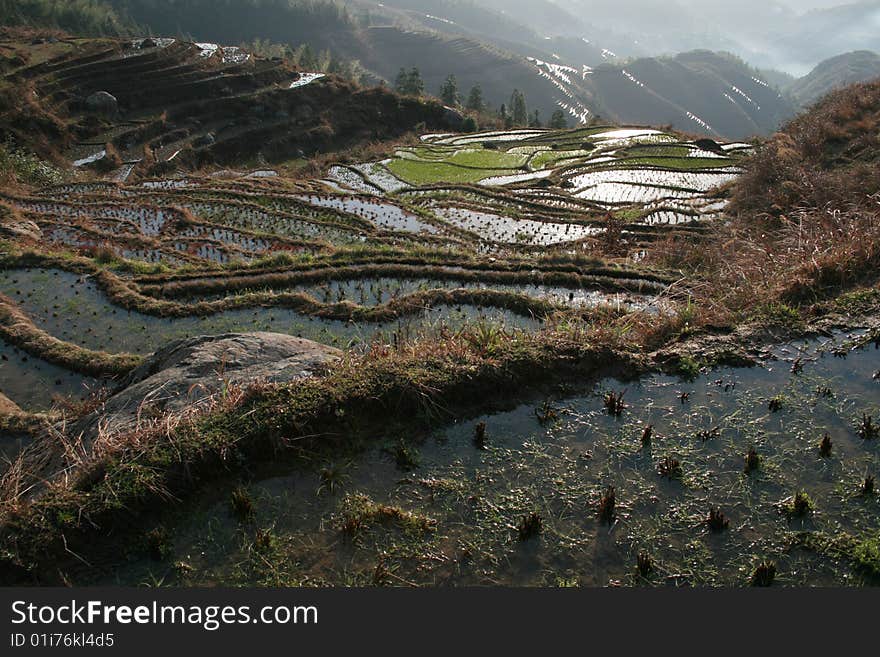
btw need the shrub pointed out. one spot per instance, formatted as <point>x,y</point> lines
<point>16,165</point>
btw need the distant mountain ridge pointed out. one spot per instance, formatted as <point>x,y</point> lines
<point>833,74</point>
<point>499,46</point>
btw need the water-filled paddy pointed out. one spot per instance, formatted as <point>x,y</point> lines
<point>73,308</point>
<point>436,509</point>
<point>512,230</point>
<point>372,292</point>
<point>32,382</point>
<point>385,216</point>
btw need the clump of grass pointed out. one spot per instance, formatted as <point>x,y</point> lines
<point>332,477</point>
<point>607,506</point>
<point>644,563</point>
<point>529,526</point>
<point>867,429</point>
<point>359,512</point>
<point>480,439</point>
<point>546,413</point>
<point>405,457</point>
<point>669,467</point>
<point>799,505</point>
<point>868,485</point>
<point>263,540</point>
<point>716,520</point>
<point>764,574</point>
<point>825,446</point>
<point>382,573</point>
<point>688,368</point>
<point>242,504</point>
<point>862,551</point>
<point>753,460</point>
<point>775,404</point>
<point>614,403</point>
<point>647,435</point>
<point>706,435</point>
<point>159,543</point>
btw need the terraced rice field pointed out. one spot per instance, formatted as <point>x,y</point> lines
<point>589,171</point>
<point>429,240</point>
<point>442,510</point>
<point>73,308</point>
<point>482,233</point>
<point>468,238</point>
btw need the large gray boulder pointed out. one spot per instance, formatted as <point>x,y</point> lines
<point>102,102</point>
<point>182,379</point>
<point>191,373</point>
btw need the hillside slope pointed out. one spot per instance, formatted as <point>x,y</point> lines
<point>699,91</point>
<point>835,73</point>
<point>809,195</point>
<point>165,103</point>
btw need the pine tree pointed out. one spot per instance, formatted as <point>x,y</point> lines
<point>416,86</point>
<point>401,83</point>
<point>449,91</point>
<point>518,112</point>
<point>535,121</point>
<point>475,101</point>
<point>557,120</point>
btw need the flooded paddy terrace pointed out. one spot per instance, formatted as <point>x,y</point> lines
<point>687,483</point>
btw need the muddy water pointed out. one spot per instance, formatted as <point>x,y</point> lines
<point>74,309</point>
<point>376,291</point>
<point>557,469</point>
<point>507,230</point>
<point>32,382</point>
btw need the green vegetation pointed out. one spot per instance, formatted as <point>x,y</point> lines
<point>418,172</point>
<point>557,121</point>
<point>863,552</point>
<point>519,115</point>
<point>475,100</point>
<point>16,165</point>
<point>85,17</point>
<point>409,83</point>
<point>358,513</point>
<point>449,91</point>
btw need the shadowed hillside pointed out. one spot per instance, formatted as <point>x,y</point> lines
<point>835,73</point>
<point>165,104</point>
<point>700,91</point>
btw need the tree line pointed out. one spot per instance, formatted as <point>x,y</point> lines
<point>512,114</point>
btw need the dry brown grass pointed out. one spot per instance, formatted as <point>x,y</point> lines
<point>804,222</point>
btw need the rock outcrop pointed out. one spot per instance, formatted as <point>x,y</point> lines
<point>176,382</point>
<point>189,373</point>
<point>104,103</point>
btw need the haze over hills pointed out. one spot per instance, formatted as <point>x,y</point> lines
<point>768,34</point>
<point>835,73</point>
<point>601,58</point>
